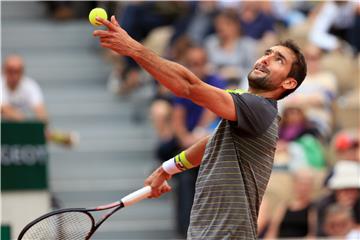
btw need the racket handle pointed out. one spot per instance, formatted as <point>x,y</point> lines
<point>136,196</point>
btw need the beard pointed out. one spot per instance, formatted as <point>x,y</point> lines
<point>260,83</point>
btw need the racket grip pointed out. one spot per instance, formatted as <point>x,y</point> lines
<point>136,196</point>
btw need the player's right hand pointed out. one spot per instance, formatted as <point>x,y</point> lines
<point>157,182</point>
<point>115,38</point>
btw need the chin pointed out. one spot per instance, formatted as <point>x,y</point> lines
<point>255,75</point>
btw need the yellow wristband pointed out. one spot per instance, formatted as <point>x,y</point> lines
<point>181,162</point>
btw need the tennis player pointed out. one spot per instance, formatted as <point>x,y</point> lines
<point>236,160</point>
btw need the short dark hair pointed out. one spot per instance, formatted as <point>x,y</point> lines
<point>298,68</point>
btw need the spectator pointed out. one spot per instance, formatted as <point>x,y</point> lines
<point>317,94</point>
<point>332,24</point>
<point>339,223</point>
<point>347,146</point>
<point>231,53</point>
<point>201,23</point>
<point>290,13</point>
<point>188,116</point>
<point>299,140</point>
<point>22,99</point>
<point>293,219</point>
<point>22,96</point>
<point>294,124</point>
<point>162,105</point>
<point>345,191</point>
<point>255,23</point>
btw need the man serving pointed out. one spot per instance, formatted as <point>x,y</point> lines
<point>236,160</point>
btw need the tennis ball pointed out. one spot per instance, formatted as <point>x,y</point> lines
<point>97,12</point>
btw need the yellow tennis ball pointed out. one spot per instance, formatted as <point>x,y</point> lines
<point>97,12</point>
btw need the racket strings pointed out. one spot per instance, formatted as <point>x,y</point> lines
<point>62,226</point>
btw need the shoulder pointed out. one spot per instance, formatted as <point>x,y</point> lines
<point>28,82</point>
<point>30,86</point>
<point>253,100</point>
<point>255,114</point>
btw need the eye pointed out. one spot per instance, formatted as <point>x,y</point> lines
<point>280,60</point>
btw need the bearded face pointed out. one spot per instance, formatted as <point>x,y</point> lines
<point>259,78</point>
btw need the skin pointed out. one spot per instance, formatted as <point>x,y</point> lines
<point>13,69</point>
<point>268,79</point>
<point>338,224</point>
<point>196,61</point>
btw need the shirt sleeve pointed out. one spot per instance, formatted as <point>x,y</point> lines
<point>35,95</point>
<point>254,114</point>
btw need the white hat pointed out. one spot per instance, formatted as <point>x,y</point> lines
<point>346,175</point>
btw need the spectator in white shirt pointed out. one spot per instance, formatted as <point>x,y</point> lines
<point>332,23</point>
<point>22,99</point>
<point>21,95</point>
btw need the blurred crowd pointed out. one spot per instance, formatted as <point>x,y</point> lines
<point>314,190</point>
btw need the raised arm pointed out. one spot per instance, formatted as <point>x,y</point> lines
<point>174,76</point>
<point>193,156</point>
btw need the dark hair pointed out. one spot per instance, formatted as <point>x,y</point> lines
<point>298,68</point>
<point>229,13</point>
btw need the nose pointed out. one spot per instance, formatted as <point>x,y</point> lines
<point>265,59</point>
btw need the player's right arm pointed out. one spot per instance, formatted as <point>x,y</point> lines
<point>172,75</point>
<point>193,156</point>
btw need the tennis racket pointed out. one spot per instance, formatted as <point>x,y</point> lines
<point>76,223</point>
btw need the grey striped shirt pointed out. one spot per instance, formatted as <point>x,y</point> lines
<point>234,172</point>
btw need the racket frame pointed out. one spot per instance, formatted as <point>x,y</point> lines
<point>128,200</point>
<point>94,225</point>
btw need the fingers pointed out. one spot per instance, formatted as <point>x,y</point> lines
<point>157,192</point>
<point>114,21</point>
<point>105,40</point>
<point>106,45</point>
<point>102,33</point>
<point>107,24</point>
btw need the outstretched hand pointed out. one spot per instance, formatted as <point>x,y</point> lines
<point>114,38</point>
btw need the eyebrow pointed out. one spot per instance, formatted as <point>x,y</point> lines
<point>277,53</point>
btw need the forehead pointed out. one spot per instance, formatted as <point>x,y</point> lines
<point>13,62</point>
<point>286,52</point>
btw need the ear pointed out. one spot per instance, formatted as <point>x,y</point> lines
<point>289,83</point>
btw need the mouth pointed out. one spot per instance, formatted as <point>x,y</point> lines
<point>261,68</point>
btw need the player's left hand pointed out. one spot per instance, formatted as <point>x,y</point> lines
<point>115,38</point>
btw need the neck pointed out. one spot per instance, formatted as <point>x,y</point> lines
<point>266,94</point>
